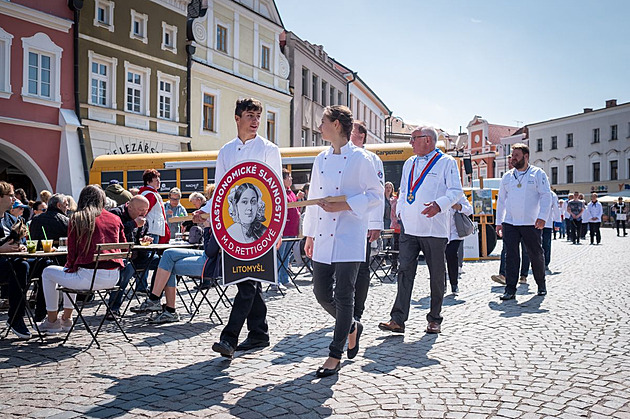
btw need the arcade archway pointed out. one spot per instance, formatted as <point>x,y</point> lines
<point>19,169</point>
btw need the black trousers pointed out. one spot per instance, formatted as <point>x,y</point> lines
<point>362,284</point>
<point>595,234</point>
<point>576,230</point>
<point>249,306</point>
<point>532,239</point>
<point>623,225</point>
<point>452,261</point>
<point>16,283</point>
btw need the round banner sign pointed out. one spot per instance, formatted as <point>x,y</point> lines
<point>249,209</point>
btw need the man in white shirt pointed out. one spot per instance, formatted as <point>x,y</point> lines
<point>552,217</point>
<point>249,304</point>
<point>429,187</point>
<point>523,205</point>
<point>593,216</point>
<point>358,137</point>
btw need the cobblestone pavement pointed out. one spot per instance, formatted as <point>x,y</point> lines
<point>564,355</point>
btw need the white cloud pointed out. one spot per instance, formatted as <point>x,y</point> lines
<point>473,20</point>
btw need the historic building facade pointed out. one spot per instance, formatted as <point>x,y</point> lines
<point>236,55</point>
<point>133,73</point>
<point>484,144</point>
<point>39,145</point>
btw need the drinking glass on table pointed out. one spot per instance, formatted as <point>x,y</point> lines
<point>31,246</point>
<point>47,245</point>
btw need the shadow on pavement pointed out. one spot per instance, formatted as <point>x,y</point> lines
<point>158,334</point>
<point>296,347</point>
<point>303,397</point>
<point>392,352</point>
<point>34,354</point>
<point>191,388</point>
<point>512,308</point>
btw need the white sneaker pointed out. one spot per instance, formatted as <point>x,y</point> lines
<point>164,317</point>
<point>148,305</point>
<point>66,324</point>
<point>47,327</point>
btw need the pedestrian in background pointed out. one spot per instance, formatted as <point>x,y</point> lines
<point>116,192</point>
<point>291,230</point>
<point>593,216</point>
<point>455,241</point>
<point>156,217</point>
<point>174,208</point>
<point>45,195</point>
<point>523,205</point>
<point>552,218</point>
<point>620,209</point>
<point>576,208</point>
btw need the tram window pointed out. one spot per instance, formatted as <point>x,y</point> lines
<point>393,171</point>
<point>191,180</point>
<point>134,179</point>
<point>301,174</point>
<point>107,176</point>
<point>211,178</point>
<point>168,178</point>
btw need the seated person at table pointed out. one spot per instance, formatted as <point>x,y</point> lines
<point>89,225</point>
<point>17,282</point>
<point>12,216</point>
<point>183,262</point>
<point>55,222</point>
<point>174,208</point>
<point>198,200</point>
<point>132,214</point>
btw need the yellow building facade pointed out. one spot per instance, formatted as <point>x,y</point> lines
<point>237,55</point>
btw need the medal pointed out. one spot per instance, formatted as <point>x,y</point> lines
<point>518,186</point>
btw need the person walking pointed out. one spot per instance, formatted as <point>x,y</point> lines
<point>523,205</point>
<point>156,217</point>
<point>335,231</point>
<point>593,215</point>
<point>249,304</point>
<point>429,186</point>
<point>455,241</point>
<point>552,217</point>
<point>576,208</point>
<point>291,230</point>
<point>621,210</point>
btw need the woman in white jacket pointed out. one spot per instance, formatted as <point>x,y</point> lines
<point>335,231</point>
<point>454,243</point>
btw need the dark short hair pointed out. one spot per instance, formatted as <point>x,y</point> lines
<point>247,105</point>
<point>343,115</point>
<point>522,147</point>
<point>285,173</point>
<point>5,188</point>
<point>361,127</point>
<point>149,175</point>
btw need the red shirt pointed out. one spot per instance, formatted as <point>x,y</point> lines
<point>292,226</point>
<point>108,228</point>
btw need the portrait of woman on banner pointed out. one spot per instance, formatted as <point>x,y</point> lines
<point>247,209</point>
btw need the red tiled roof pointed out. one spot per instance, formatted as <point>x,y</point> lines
<point>496,132</point>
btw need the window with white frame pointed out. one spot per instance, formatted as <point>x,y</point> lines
<point>137,89</point>
<point>304,138</point>
<point>271,126</point>
<point>222,38</point>
<point>139,26</point>
<point>209,112</point>
<point>169,37</point>
<point>41,70</point>
<point>6,40</point>
<point>265,57</point>
<point>102,83</point>
<point>168,94</point>
<point>104,14</point>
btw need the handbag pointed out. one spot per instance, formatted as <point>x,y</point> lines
<point>463,225</point>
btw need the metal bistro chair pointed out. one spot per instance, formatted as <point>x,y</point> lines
<point>124,252</point>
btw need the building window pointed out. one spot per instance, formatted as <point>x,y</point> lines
<point>208,112</point>
<point>169,38</point>
<point>271,126</point>
<point>613,132</point>
<point>596,168</point>
<point>569,140</point>
<point>102,83</point>
<point>339,98</point>
<point>324,92</point>
<point>554,142</point>
<point>139,26</point>
<point>137,89</point>
<point>222,38</point>
<point>539,144</point>
<point>104,14</point>
<point>305,79</point>
<point>41,70</point>
<point>304,138</point>
<point>595,135</point>
<point>614,170</point>
<point>317,139</point>
<point>315,88</point>
<point>168,95</point>
<point>265,55</point>
<point>6,40</point>
<point>554,175</point>
<point>331,100</point>
<point>570,174</point>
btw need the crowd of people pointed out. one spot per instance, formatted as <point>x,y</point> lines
<point>338,236</point>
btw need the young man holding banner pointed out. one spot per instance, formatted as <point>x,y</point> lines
<point>249,304</point>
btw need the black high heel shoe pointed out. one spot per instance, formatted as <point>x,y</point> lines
<point>354,351</point>
<point>327,372</point>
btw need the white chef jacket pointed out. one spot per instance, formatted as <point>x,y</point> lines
<point>593,210</point>
<point>554,211</point>
<point>235,152</point>
<point>467,209</point>
<point>375,219</point>
<point>523,206</point>
<point>340,236</point>
<point>442,185</point>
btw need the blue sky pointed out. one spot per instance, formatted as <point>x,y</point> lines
<point>442,62</point>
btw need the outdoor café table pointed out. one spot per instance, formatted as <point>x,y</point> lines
<point>39,257</point>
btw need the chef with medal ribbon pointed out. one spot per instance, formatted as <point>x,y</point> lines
<point>430,184</point>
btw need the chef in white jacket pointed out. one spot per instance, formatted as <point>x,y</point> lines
<point>553,217</point>
<point>593,216</point>
<point>336,231</point>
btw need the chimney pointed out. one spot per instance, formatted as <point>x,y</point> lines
<point>587,110</point>
<point>611,103</point>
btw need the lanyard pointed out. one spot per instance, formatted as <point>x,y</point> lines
<point>412,185</point>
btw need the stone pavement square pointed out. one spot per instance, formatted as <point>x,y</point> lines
<point>564,355</point>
